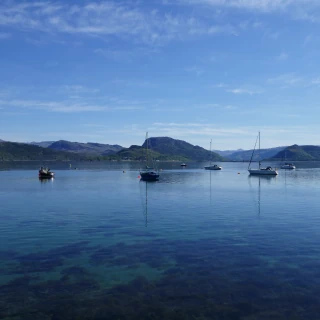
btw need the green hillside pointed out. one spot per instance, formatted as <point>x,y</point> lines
<point>92,148</point>
<point>245,155</point>
<point>139,153</point>
<point>180,149</point>
<point>23,151</point>
<point>298,153</point>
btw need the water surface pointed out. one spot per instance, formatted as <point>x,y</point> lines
<point>98,243</point>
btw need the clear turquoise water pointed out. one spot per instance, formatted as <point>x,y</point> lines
<point>97,243</point>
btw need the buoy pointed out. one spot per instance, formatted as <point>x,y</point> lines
<point>139,177</point>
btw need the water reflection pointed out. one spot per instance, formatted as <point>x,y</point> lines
<point>258,180</point>
<point>46,180</point>
<point>144,197</point>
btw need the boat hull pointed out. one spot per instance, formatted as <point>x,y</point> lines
<point>46,176</point>
<point>288,167</point>
<point>149,176</point>
<point>212,168</point>
<point>263,172</point>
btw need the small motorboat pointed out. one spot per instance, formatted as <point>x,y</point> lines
<point>45,173</point>
<point>213,167</point>
<point>183,165</point>
<point>288,166</point>
<point>149,175</point>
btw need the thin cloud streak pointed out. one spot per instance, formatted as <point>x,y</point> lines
<point>243,91</point>
<point>108,18</point>
<point>298,9</point>
<point>64,107</point>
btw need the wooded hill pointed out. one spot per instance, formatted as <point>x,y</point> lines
<point>179,149</point>
<point>245,155</point>
<point>298,153</point>
<point>24,151</point>
<point>96,149</point>
<point>161,148</point>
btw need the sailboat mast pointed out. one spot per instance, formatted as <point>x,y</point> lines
<point>259,151</point>
<point>147,149</point>
<point>210,152</point>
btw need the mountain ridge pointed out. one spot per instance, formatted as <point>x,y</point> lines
<point>160,148</point>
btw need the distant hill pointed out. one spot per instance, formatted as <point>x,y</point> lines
<point>91,148</point>
<point>43,144</point>
<point>138,153</point>
<point>298,153</point>
<point>24,151</point>
<point>226,153</point>
<point>180,149</point>
<point>246,155</point>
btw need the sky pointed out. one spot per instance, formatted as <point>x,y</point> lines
<point>194,70</point>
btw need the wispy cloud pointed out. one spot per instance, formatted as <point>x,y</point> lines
<point>195,70</point>
<point>242,91</point>
<point>132,83</point>
<point>79,89</point>
<point>301,9</point>
<point>64,106</point>
<point>287,80</point>
<point>108,18</point>
<point>219,85</point>
<point>5,35</point>
<point>183,129</point>
<point>282,56</point>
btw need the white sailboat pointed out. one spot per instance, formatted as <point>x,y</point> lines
<point>212,167</point>
<point>149,173</point>
<point>261,171</point>
<point>287,165</point>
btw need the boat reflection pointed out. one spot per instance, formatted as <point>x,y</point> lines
<point>46,180</point>
<point>144,185</point>
<point>260,180</point>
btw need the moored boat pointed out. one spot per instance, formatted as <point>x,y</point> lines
<point>45,173</point>
<point>149,173</point>
<point>212,166</point>
<point>261,171</point>
<point>288,166</point>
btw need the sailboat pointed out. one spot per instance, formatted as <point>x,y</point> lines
<point>261,171</point>
<point>149,173</point>
<point>212,167</point>
<point>287,165</point>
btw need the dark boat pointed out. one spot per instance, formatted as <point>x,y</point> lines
<point>45,173</point>
<point>149,173</point>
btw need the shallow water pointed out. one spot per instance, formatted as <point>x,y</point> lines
<point>97,243</point>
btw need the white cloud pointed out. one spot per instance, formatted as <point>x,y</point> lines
<point>195,70</point>
<point>79,89</point>
<point>243,91</point>
<point>287,80</point>
<point>219,85</point>
<point>264,6</point>
<point>64,106</point>
<point>315,82</point>
<point>282,56</point>
<point>5,35</point>
<point>108,18</point>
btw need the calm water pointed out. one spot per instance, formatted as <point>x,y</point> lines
<point>97,243</point>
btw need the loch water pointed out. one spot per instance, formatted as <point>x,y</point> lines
<point>98,243</point>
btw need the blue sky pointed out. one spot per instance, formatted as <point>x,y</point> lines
<point>195,70</point>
